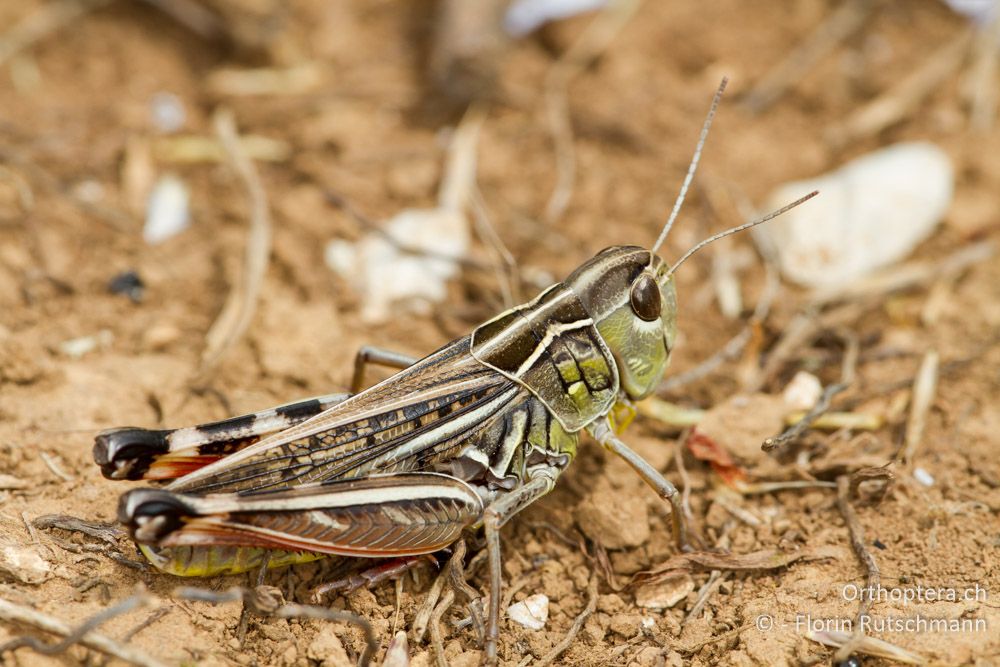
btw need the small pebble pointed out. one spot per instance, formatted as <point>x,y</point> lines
<point>167,112</point>
<point>923,477</point>
<point>160,336</point>
<point>128,283</point>
<point>24,564</point>
<point>664,594</point>
<point>167,211</point>
<point>77,347</point>
<point>871,212</point>
<point>524,16</point>
<point>803,391</point>
<point>398,653</point>
<point>531,612</point>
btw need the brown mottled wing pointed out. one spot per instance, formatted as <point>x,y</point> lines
<point>552,347</point>
<point>408,422</point>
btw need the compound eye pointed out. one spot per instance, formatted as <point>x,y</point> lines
<point>645,298</point>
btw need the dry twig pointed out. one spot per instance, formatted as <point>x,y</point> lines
<point>868,646</point>
<point>574,630</point>
<point>437,641</point>
<point>239,309</point>
<point>705,560</point>
<point>904,97</point>
<point>837,27</point>
<point>981,88</point>
<point>83,634</point>
<point>823,404</point>
<point>867,560</point>
<point>49,18</point>
<point>924,388</point>
<point>737,344</point>
<point>594,41</point>
<point>266,601</point>
<point>423,615</point>
<point>503,260</point>
<point>904,276</point>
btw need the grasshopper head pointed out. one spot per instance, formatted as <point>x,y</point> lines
<point>634,306</point>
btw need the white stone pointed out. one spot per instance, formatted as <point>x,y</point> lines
<point>524,16</point>
<point>531,612</point>
<point>167,211</point>
<point>394,281</point>
<point>803,391</point>
<point>23,564</point>
<point>923,477</point>
<point>664,594</point>
<point>870,213</point>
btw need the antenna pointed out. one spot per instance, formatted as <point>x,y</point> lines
<point>740,228</point>
<point>691,168</point>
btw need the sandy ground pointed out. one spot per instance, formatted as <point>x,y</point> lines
<point>76,123</point>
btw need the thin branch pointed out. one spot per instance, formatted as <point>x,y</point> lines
<point>43,22</point>
<point>262,601</point>
<point>574,630</point>
<point>867,560</point>
<point>834,29</point>
<point>83,634</point>
<point>241,304</point>
<point>905,97</point>
<point>594,41</point>
<point>924,389</point>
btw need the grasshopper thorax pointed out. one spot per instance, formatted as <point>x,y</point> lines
<point>632,299</point>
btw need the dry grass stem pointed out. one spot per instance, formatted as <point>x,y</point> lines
<point>504,264</point>
<point>715,579</point>
<point>670,414</point>
<point>736,345</point>
<point>869,646</point>
<point>924,389</point>
<point>53,465</point>
<point>244,82</point>
<point>588,46</point>
<point>795,432</point>
<point>800,332</point>
<point>423,614</point>
<point>574,630</point>
<point>981,80</point>
<point>685,477</point>
<point>747,488</point>
<point>907,275</point>
<point>767,559</point>
<point>867,561</point>
<point>238,312</point>
<point>905,97</point>
<point>41,23</point>
<point>834,29</point>
<point>847,373</point>
<point>266,601</point>
<point>437,641</point>
<point>193,15</point>
<point>83,634</point>
<point>193,148</point>
<point>834,421</point>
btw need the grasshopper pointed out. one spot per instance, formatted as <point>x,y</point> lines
<point>460,440</point>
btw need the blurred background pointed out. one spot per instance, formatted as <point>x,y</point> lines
<point>207,206</point>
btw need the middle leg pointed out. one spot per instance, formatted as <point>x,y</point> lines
<point>495,516</point>
<point>368,354</point>
<point>685,538</point>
